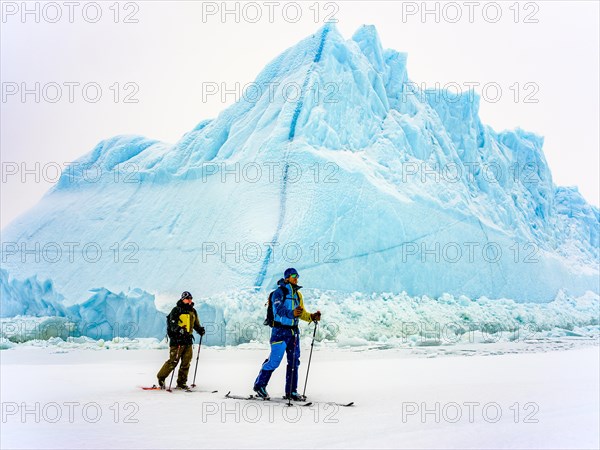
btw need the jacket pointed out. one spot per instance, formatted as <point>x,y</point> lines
<point>182,317</point>
<point>284,300</point>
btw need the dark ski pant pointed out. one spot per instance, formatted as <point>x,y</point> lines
<point>286,341</point>
<point>183,352</point>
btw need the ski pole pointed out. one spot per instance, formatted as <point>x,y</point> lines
<point>173,373</point>
<point>293,367</point>
<point>312,344</point>
<point>197,358</point>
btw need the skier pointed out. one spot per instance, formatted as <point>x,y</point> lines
<point>181,321</point>
<point>287,307</point>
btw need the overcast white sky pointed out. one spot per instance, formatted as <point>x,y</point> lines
<point>172,50</point>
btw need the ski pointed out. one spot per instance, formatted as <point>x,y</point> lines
<point>268,399</point>
<point>252,397</point>
<point>157,388</point>
<point>345,405</point>
<point>200,391</point>
<point>240,397</point>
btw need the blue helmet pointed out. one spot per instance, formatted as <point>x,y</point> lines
<point>186,295</point>
<point>289,272</point>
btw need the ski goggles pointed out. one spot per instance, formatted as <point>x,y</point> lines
<point>294,275</point>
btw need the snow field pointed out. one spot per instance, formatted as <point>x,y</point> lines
<point>91,399</point>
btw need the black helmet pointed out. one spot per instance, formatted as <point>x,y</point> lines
<point>186,295</point>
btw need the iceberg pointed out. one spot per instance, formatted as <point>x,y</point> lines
<point>137,320</point>
<point>340,167</point>
<point>33,309</point>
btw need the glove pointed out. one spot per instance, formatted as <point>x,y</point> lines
<point>315,317</point>
<point>202,331</point>
<point>298,311</point>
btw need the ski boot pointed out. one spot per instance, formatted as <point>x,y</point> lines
<point>261,392</point>
<point>295,397</point>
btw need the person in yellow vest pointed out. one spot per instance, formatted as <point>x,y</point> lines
<point>181,322</point>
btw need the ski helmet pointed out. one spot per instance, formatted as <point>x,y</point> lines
<point>289,272</point>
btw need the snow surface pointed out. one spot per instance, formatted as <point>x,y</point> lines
<point>157,210</point>
<point>530,400</point>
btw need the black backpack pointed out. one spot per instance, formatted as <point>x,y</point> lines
<point>270,319</point>
<point>170,330</point>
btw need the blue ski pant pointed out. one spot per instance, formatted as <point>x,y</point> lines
<point>282,341</point>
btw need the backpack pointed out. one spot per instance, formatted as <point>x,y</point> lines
<point>270,319</point>
<point>170,332</point>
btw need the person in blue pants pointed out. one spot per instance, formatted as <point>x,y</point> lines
<point>287,307</point>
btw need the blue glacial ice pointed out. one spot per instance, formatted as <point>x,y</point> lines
<point>363,182</point>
